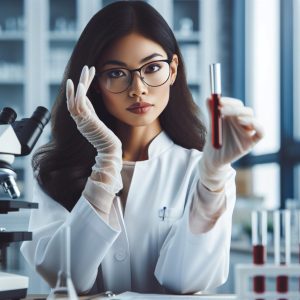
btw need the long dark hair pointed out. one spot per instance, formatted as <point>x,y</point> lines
<point>63,165</point>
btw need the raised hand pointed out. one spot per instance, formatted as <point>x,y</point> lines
<point>241,132</point>
<point>109,159</point>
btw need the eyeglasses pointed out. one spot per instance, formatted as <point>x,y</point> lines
<point>118,80</point>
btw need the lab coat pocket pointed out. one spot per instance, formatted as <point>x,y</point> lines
<point>167,217</point>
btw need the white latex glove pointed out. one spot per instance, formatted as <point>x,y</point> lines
<point>241,132</point>
<point>107,169</point>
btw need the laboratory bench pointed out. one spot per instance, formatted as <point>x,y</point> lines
<point>137,296</point>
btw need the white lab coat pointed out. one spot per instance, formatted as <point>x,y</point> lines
<point>147,249</point>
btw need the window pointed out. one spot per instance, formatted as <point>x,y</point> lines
<point>272,71</point>
<point>296,70</point>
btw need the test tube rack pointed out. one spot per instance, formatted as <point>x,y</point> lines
<point>244,274</point>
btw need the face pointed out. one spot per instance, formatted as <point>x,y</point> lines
<point>144,99</point>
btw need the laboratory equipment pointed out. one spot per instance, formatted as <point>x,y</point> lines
<point>282,245</point>
<point>17,138</point>
<point>64,288</point>
<point>259,246</point>
<point>277,273</point>
<point>216,120</point>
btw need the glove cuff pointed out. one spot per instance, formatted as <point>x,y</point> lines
<point>214,178</point>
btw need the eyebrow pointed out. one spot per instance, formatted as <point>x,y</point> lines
<point>120,63</point>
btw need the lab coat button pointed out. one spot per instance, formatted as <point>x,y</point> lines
<point>120,255</point>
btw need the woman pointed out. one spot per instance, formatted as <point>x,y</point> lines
<point>148,210</point>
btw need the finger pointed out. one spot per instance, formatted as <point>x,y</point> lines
<point>83,101</point>
<point>236,111</point>
<point>91,76</point>
<point>80,98</point>
<point>70,95</point>
<point>246,123</point>
<point>259,131</point>
<point>251,124</point>
<point>84,76</point>
<point>208,105</point>
<point>224,101</point>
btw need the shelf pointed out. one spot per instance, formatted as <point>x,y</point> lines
<point>188,37</point>
<point>11,74</point>
<point>11,81</point>
<point>12,35</point>
<point>63,35</point>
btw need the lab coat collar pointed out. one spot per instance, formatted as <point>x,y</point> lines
<point>159,144</point>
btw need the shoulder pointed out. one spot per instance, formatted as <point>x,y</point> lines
<point>190,154</point>
<point>164,146</point>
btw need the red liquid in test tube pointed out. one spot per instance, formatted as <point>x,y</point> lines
<point>259,250</point>
<point>282,247</point>
<point>282,285</point>
<point>216,121</point>
<point>259,259</point>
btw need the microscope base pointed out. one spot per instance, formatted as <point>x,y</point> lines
<point>13,286</point>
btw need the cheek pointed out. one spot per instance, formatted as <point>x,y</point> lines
<point>112,104</point>
<point>110,101</point>
<point>163,94</point>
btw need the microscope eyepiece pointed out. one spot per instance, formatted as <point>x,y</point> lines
<point>7,115</point>
<point>23,135</point>
<point>41,115</point>
<point>28,130</point>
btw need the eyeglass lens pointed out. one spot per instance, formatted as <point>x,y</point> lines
<point>153,74</point>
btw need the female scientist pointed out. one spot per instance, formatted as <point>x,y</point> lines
<point>148,210</point>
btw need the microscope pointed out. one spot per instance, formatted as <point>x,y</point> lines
<point>17,138</point>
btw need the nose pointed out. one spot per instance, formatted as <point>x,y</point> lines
<point>137,87</point>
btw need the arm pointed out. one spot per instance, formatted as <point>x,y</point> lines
<point>190,262</point>
<point>200,241</point>
<point>93,220</point>
<point>88,232</point>
<point>241,132</point>
<point>106,173</point>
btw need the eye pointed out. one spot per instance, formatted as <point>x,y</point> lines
<point>152,68</point>
<point>115,74</point>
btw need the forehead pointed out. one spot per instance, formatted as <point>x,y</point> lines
<point>132,48</point>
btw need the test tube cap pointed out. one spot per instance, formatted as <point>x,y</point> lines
<point>215,78</point>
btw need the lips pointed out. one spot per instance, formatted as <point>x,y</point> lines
<point>139,105</point>
<point>140,108</point>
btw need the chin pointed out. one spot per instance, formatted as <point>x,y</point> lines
<point>139,122</point>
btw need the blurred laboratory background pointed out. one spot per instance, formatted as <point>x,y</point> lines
<point>258,45</point>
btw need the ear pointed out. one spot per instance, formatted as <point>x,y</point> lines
<point>173,68</point>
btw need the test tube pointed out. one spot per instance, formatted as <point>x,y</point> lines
<point>216,121</point>
<point>259,246</point>
<point>295,231</point>
<point>282,246</point>
<point>292,205</point>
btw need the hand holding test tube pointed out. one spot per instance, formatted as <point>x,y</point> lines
<point>235,132</point>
